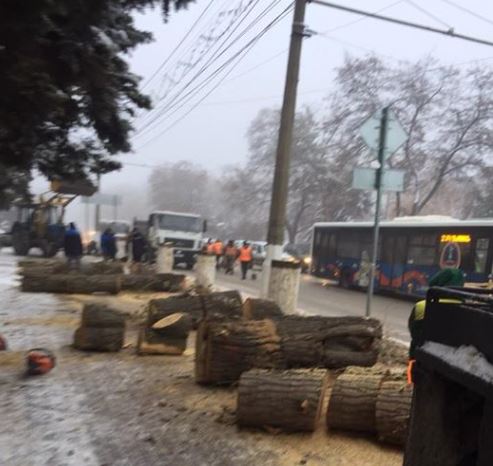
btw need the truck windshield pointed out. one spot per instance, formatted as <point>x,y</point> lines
<point>117,227</point>
<point>179,223</point>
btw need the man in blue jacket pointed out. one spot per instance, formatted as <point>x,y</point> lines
<point>72,245</point>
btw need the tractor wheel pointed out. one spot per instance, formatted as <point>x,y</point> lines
<point>49,249</point>
<point>20,241</point>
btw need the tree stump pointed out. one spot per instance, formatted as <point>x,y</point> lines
<point>166,282</point>
<point>331,342</point>
<point>290,400</point>
<point>76,284</point>
<point>353,401</point>
<point>101,316</point>
<point>177,325</point>
<point>222,304</point>
<point>393,409</point>
<point>226,349</point>
<point>159,308</point>
<point>150,342</point>
<point>259,309</point>
<point>99,338</point>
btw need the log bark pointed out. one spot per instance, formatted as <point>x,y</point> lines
<point>101,316</point>
<point>353,401</point>
<point>393,409</point>
<point>99,339</point>
<point>259,309</point>
<point>159,308</point>
<point>32,268</point>
<point>150,342</point>
<point>77,283</point>
<point>222,304</point>
<point>177,325</point>
<point>331,342</point>
<point>224,350</point>
<point>167,282</point>
<point>291,400</point>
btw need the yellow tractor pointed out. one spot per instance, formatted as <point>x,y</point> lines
<point>41,224</point>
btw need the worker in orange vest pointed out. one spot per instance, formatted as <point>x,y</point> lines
<point>209,247</point>
<point>230,255</point>
<point>245,258</point>
<point>218,251</point>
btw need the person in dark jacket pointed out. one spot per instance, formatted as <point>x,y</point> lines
<point>138,245</point>
<point>72,245</point>
<point>108,244</point>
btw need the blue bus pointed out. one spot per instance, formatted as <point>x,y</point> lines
<point>411,251</point>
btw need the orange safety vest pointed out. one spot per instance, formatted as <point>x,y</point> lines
<point>218,248</point>
<point>231,251</point>
<point>210,249</point>
<point>245,254</point>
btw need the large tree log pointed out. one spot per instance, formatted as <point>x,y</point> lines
<point>259,309</point>
<point>77,283</point>
<point>331,342</point>
<point>224,350</point>
<point>43,268</point>
<point>177,325</point>
<point>167,282</point>
<point>222,304</point>
<point>393,409</point>
<point>101,316</point>
<point>99,339</point>
<point>353,401</point>
<point>159,308</point>
<point>291,400</point>
<point>151,342</point>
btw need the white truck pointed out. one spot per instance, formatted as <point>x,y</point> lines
<point>182,230</point>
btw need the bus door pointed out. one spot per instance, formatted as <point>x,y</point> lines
<point>392,261</point>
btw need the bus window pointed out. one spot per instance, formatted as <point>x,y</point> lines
<point>332,245</point>
<point>422,250</point>
<point>348,246</point>
<point>481,255</point>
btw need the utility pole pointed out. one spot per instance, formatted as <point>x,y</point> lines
<point>277,218</point>
<point>378,186</point>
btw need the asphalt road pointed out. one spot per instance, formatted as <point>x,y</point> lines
<point>319,297</point>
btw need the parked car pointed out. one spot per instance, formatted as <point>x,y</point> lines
<point>300,252</point>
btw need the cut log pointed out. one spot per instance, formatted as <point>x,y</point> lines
<point>224,350</point>
<point>101,316</point>
<point>177,325</point>
<point>393,409</point>
<point>167,282</point>
<point>222,304</point>
<point>353,401</point>
<point>43,268</point>
<point>150,342</point>
<point>99,339</point>
<point>331,342</point>
<point>79,284</point>
<point>259,309</point>
<point>290,400</point>
<point>159,308</point>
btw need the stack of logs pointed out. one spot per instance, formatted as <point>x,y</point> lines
<point>372,401</point>
<point>54,276</point>
<point>101,329</point>
<point>265,338</point>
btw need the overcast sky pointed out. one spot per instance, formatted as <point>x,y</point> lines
<point>214,133</point>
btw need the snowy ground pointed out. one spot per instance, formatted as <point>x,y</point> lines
<point>121,409</point>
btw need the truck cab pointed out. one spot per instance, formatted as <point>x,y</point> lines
<point>182,230</point>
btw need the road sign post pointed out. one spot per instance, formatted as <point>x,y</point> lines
<point>384,133</point>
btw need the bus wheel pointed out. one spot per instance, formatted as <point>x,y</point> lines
<point>345,280</point>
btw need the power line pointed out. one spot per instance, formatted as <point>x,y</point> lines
<point>427,13</point>
<point>158,110</point>
<point>240,55</point>
<point>466,10</point>
<point>190,94</point>
<point>402,22</point>
<point>184,38</point>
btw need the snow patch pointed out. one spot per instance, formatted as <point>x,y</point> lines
<point>466,358</point>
